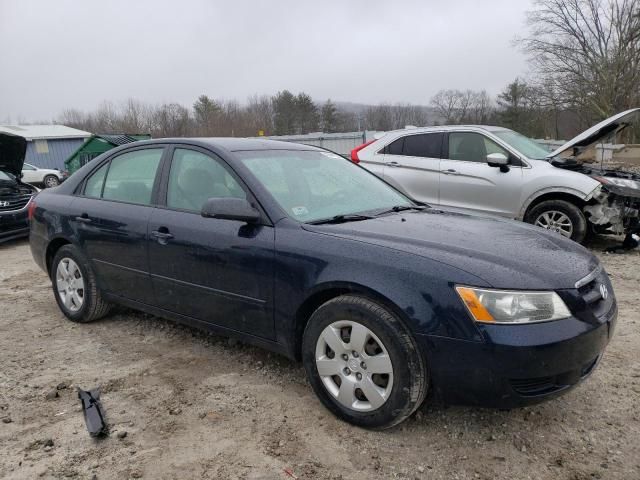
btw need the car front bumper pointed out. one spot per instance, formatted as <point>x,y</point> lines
<point>516,365</point>
<point>13,225</point>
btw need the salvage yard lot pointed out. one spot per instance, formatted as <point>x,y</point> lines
<point>198,406</point>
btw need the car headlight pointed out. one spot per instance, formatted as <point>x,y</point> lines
<point>620,182</point>
<point>504,306</point>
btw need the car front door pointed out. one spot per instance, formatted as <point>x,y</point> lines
<point>110,218</point>
<point>213,270</point>
<point>412,164</point>
<point>467,181</point>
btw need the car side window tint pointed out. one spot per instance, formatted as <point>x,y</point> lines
<point>426,145</point>
<point>195,177</point>
<point>26,166</point>
<point>93,186</point>
<point>131,176</point>
<point>395,148</point>
<point>472,147</point>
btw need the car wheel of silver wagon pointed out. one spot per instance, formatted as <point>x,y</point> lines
<point>51,181</point>
<point>75,288</point>
<point>362,362</point>
<point>561,217</point>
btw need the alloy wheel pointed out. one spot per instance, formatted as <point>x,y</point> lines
<point>354,366</point>
<point>70,284</point>
<point>556,222</point>
<point>51,182</point>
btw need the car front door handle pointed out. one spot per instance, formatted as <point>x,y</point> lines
<point>450,171</point>
<point>393,164</point>
<point>84,218</point>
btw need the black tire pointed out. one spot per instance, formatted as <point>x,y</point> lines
<point>410,376</point>
<point>50,181</point>
<point>572,211</point>
<point>93,306</point>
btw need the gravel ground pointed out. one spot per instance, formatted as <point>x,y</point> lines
<point>186,405</point>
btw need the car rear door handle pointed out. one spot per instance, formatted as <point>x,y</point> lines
<point>84,218</point>
<point>394,164</point>
<point>450,171</point>
<point>162,235</point>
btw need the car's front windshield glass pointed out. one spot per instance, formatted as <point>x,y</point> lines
<point>522,144</point>
<point>6,176</point>
<point>314,185</point>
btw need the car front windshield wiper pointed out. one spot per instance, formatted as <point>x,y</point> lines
<point>400,208</point>
<point>352,217</point>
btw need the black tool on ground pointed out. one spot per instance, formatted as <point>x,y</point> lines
<point>93,413</point>
<point>630,242</point>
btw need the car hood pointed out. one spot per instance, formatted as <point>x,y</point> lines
<point>596,134</point>
<point>504,253</point>
<point>12,152</point>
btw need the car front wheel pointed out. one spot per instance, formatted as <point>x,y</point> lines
<point>75,288</point>
<point>51,181</point>
<point>363,363</point>
<point>561,217</point>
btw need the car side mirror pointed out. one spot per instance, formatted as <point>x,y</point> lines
<point>230,209</point>
<point>498,160</point>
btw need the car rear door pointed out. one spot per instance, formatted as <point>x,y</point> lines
<point>412,164</point>
<point>110,219</point>
<point>213,270</point>
<point>467,181</point>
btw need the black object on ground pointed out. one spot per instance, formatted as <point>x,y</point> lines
<point>93,413</point>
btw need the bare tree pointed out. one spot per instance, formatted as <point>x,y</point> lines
<point>587,52</point>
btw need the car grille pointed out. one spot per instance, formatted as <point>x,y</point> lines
<point>13,202</point>
<point>597,292</point>
<point>546,385</point>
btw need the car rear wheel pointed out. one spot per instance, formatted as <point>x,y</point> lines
<point>51,181</point>
<point>561,217</point>
<point>75,288</point>
<point>363,363</point>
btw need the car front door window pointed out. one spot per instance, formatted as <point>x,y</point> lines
<point>195,177</point>
<point>472,147</point>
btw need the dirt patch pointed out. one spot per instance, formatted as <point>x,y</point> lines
<point>198,406</point>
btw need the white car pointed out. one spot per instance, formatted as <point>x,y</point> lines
<point>41,176</point>
<point>498,171</point>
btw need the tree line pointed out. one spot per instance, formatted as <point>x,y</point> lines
<point>585,66</point>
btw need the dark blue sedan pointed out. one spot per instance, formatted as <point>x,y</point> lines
<point>302,252</point>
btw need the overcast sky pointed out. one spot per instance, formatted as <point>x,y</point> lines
<point>77,53</point>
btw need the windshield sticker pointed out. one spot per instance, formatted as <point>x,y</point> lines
<point>297,211</point>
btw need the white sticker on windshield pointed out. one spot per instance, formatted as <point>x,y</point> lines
<point>330,155</point>
<point>297,211</point>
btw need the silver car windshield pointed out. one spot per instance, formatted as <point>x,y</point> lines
<point>522,144</point>
<point>314,185</point>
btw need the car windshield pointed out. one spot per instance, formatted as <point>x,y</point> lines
<point>313,185</point>
<point>6,176</point>
<point>522,144</point>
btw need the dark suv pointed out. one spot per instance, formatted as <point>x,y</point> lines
<point>303,252</point>
<point>15,196</point>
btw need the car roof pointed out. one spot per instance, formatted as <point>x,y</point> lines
<point>232,144</point>
<point>449,128</point>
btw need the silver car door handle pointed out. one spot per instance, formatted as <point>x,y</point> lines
<point>450,171</point>
<point>394,164</point>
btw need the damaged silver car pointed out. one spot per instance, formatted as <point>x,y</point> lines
<point>494,170</point>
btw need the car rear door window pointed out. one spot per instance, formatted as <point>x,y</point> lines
<point>131,176</point>
<point>426,145</point>
<point>195,177</point>
<point>472,147</point>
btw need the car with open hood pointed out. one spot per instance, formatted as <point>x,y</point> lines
<point>299,250</point>
<point>15,195</point>
<point>494,170</point>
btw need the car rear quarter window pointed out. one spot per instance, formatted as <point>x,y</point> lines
<point>195,177</point>
<point>428,145</point>
<point>93,187</point>
<point>131,176</point>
